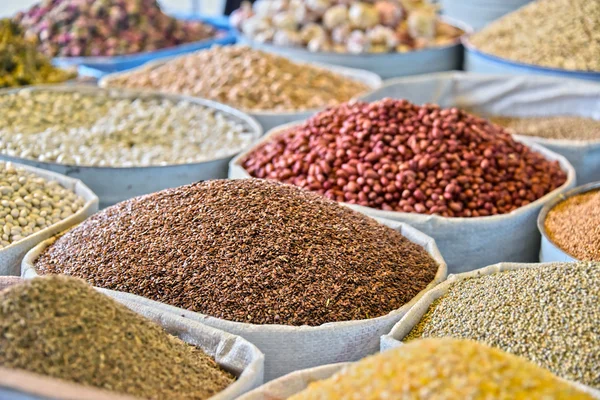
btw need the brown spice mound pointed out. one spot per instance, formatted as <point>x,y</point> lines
<point>61,327</point>
<point>552,127</point>
<point>246,250</point>
<point>574,225</point>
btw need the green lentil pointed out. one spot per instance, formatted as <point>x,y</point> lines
<point>548,314</point>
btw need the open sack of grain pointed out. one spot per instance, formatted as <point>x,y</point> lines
<point>547,313</point>
<point>454,176</point>
<point>425,369</point>
<point>309,282</point>
<point>37,204</point>
<point>96,348</point>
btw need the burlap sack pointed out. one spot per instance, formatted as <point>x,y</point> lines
<point>11,256</point>
<point>466,243</point>
<point>290,348</point>
<point>519,96</point>
<point>231,352</point>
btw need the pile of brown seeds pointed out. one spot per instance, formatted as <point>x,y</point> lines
<point>553,127</point>
<point>61,327</point>
<point>548,314</point>
<point>246,250</point>
<point>550,33</point>
<point>574,225</point>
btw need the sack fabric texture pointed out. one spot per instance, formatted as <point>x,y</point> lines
<point>231,352</point>
<point>466,243</point>
<point>12,255</point>
<point>290,348</point>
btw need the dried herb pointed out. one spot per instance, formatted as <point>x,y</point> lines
<point>246,250</point>
<point>60,327</point>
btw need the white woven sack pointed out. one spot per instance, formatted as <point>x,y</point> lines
<point>231,352</point>
<point>292,383</point>
<point>466,243</point>
<point>290,348</point>
<point>413,316</point>
<point>11,256</point>
<point>520,96</point>
<point>269,119</point>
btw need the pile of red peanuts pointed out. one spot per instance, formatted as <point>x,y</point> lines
<point>397,156</point>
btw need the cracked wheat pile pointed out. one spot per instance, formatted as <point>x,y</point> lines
<point>61,327</point>
<point>246,250</point>
<point>442,369</point>
<point>548,314</point>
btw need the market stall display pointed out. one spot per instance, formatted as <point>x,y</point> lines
<point>425,369</point>
<point>90,339</point>
<point>560,114</point>
<point>36,205</point>
<point>525,41</point>
<point>265,260</point>
<point>264,85</point>
<point>20,62</point>
<point>385,36</point>
<point>569,226</point>
<point>455,176</point>
<point>121,143</point>
<point>518,308</point>
<point>113,35</point>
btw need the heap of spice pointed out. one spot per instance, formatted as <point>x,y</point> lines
<point>548,314</point>
<point>246,250</point>
<point>109,128</point>
<point>245,78</point>
<point>76,28</point>
<point>397,156</point>
<point>342,26</point>
<point>437,369</point>
<point>20,62</point>
<point>61,327</point>
<point>561,34</point>
<point>30,203</point>
<point>565,127</point>
<point>574,225</point>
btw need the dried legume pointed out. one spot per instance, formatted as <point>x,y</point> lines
<point>20,62</point>
<point>73,28</point>
<point>394,155</point>
<point>30,203</point>
<point>550,33</point>
<point>61,327</point>
<point>246,250</point>
<point>108,128</point>
<point>436,369</point>
<point>245,78</point>
<point>574,225</point>
<point>551,127</point>
<point>548,314</point>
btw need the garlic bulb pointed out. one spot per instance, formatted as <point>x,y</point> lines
<point>382,36</point>
<point>335,16</point>
<point>363,16</point>
<point>341,34</point>
<point>285,20</point>
<point>390,12</point>
<point>312,31</point>
<point>287,38</point>
<point>421,24</point>
<point>357,42</point>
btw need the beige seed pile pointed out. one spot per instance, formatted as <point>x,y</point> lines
<point>104,128</point>
<point>548,314</point>
<point>574,225</point>
<point>30,203</point>
<point>245,78</point>
<point>61,327</point>
<point>551,127</point>
<point>550,33</point>
<point>442,369</point>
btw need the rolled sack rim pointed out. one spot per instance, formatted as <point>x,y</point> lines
<point>549,155</point>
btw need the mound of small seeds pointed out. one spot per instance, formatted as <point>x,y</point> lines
<point>60,327</point>
<point>245,78</point>
<point>553,127</point>
<point>397,156</point>
<point>436,369</point>
<point>574,225</point>
<point>104,128</point>
<point>529,35</point>
<point>30,203</point>
<point>548,314</point>
<point>246,250</point>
